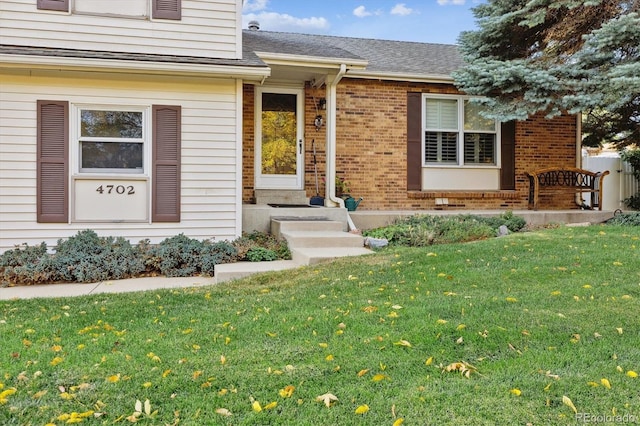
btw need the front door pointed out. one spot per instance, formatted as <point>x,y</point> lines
<point>279,145</point>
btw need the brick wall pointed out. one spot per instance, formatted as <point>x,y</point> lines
<point>371,133</point>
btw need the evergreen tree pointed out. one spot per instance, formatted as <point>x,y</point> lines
<point>556,56</point>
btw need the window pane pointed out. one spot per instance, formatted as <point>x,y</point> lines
<point>113,7</point>
<point>479,148</point>
<point>111,155</point>
<point>441,147</point>
<point>442,114</point>
<point>111,124</point>
<point>474,121</point>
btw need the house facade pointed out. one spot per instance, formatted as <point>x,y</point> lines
<point>149,118</point>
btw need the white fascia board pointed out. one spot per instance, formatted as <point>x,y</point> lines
<point>415,78</point>
<point>135,67</point>
<point>311,61</point>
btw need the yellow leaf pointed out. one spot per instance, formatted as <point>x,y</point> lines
<point>165,373</point>
<point>287,391</point>
<point>461,327</point>
<point>605,383</point>
<point>147,385</point>
<point>511,299</point>
<point>619,330</point>
<point>138,406</point>
<point>379,377</point>
<point>329,357</point>
<point>362,409</point>
<point>593,384</point>
<point>223,359</point>
<point>363,372</point>
<point>39,394</point>
<point>429,361</point>
<point>56,348</point>
<point>57,360</point>
<point>441,321</point>
<point>403,343</point>
<point>398,422</point>
<point>323,345</point>
<point>566,401</point>
<point>256,406</point>
<point>271,405</point>
<point>327,399</point>
<point>114,378</point>
<point>67,396</point>
<point>632,374</point>
<point>556,293</point>
<point>516,391</point>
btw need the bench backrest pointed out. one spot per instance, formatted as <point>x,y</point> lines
<point>576,178</point>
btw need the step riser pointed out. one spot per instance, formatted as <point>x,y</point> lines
<point>321,241</point>
<point>286,226</point>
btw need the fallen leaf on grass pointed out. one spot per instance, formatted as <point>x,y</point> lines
<point>605,383</point>
<point>362,409</point>
<point>327,399</point>
<point>566,401</point>
<point>516,391</point>
<point>223,412</point>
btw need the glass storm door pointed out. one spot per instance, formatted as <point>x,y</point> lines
<point>279,147</point>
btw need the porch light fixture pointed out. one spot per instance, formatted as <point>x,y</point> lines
<point>318,122</point>
<point>322,104</point>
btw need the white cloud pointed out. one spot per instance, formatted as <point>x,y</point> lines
<point>456,2</point>
<point>255,5</point>
<point>361,12</point>
<point>271,21</point>
<point>401,9</point>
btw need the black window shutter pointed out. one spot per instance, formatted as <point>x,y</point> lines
<point>508,156</point>
<point>166,163</point>
<point>52,154</point>
<point>414,141</point>
<point>60,5</point>
<point>166,9</point>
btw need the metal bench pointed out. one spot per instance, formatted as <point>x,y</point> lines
<point>567,179</point>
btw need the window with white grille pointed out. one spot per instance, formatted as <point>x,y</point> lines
<point>456,134</point>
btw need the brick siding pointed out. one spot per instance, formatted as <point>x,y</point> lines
<point>371,134</point>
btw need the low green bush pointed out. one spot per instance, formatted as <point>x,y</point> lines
<point>86,257</point>
<point>625,219</point>
<point>425,230</point>
<point>261,254</point>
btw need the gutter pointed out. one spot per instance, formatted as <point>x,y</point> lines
<point>331,144</point>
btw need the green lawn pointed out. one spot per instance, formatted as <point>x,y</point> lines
<point>533,326</point>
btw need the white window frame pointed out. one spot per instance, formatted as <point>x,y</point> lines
<point>76,156</point>
<point>459,163</point>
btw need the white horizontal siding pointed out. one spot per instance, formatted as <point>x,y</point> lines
<point>208,28</point>
<point>209,152</point>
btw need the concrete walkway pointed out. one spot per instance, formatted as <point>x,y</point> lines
<point>114,286</point>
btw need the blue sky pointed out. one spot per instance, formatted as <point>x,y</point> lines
<point>430,21</point>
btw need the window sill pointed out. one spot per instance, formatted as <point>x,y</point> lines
<point>465,194</point>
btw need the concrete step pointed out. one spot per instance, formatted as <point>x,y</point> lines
<point>314,255</point>
<point>284,225</point>
<point>314,239</point>
<point>233,271</point>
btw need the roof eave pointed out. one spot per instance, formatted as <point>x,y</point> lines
<point>134,67</point>
<point>311,61</point>
<point>398,76</point>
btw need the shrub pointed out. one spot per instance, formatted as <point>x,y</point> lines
<point>256,239</point>
<point>625,219</point>
<point>424,230</point>
<point>260,254</point>
<point>181,256</point>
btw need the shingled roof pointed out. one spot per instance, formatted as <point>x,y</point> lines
<point>383,56</point>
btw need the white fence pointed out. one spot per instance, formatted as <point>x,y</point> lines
<point>619,185</point>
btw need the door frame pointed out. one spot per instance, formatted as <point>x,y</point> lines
<point>290,182</point>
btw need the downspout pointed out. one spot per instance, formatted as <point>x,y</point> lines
<point>332,200</point>
<point>578,198</point>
